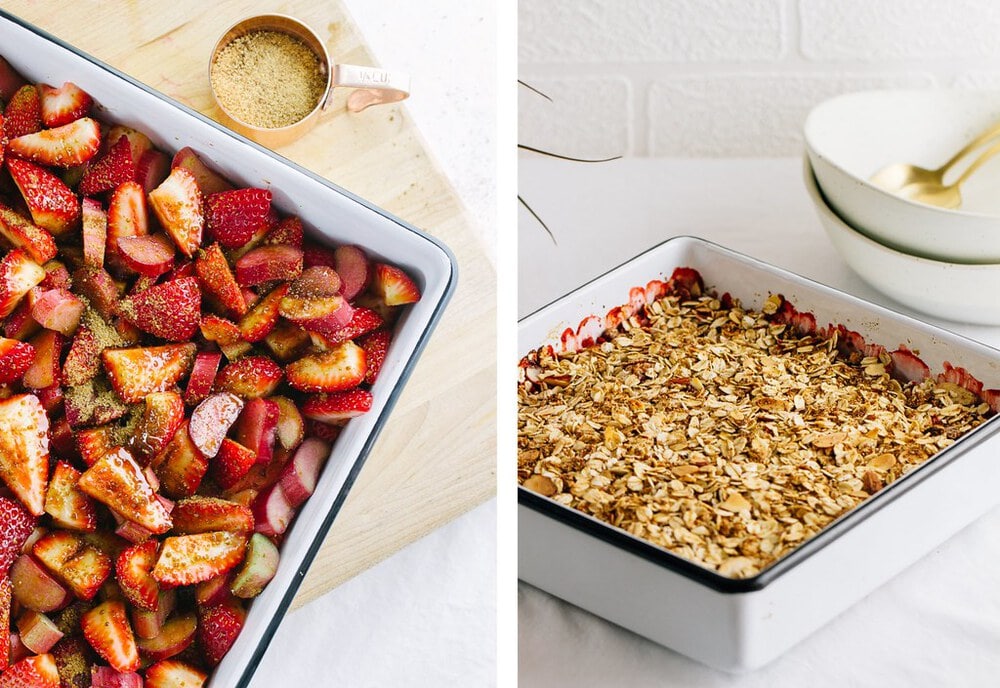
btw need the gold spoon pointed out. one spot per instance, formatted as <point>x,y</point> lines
<point>927,186</point>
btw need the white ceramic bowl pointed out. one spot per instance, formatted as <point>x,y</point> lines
<point>852,136</point>
<point>952,291</point>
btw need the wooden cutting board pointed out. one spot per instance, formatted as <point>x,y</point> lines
<point>436,457</point>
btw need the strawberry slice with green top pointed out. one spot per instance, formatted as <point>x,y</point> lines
<point>23,114</point>
<point>37,671</point>
<point>16,525</point>
<point>133,570</point>
<point>66,146</point>
<point>232,217</point>
<point>22,233</point>
<point>171,310</point>
<point>15,358</point>
<point>177,203</point>
<point>138,371</point>
<point>113,169</point>
<point>63,105</point>
<point>52,204</point>
<point>117,481</point>
<point>190,559</point>
<point>24,450</point>
<point>107,629</point>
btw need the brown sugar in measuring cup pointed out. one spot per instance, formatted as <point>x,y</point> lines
<point>271,78</point>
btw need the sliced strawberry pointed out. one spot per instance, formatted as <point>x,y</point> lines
<point>151,169</point>
<point>207,514</point>
<point>389,314</point>
<point>268,264</point>
<point>313,301</point>
<point>64,146</point>
<point>181,466</point>
<point>23,114</point>
<point>138,142</point>
<point>6,597</point>
<point>79,565</point>
<point>10,81</point>
<point>93,403</point>
<point>250,377</point>
<point>113,169</point>
<point>170,310</point>
<point>355,271</point>
<point>163,415</point>
<point>83,361</point>
<point>907,367</point>
<point>394,286</point>
<point>337,407</point>
<point>94,443</point>
<point>286,341</point>
<point>173,673</point>
<point>218,628</point>
<point>68,506</point>
<point>108,631</point>
<point>117,481</point>
<point>133,570</point>
<point>127,215</point>
<point>150,255</point>
<point>287,231</point>
<point>52,399</point>
<point>211,420</point>
<point>22,233</point>
<point>136,372</point>
<point>263,317</point>
<point>363,321</point>
<point>256,427</point>
<point>95,233</point>
<point>376,346</point>
<point>189,559</point>
<point>290,428</point>
<point>59,310</point>
<point>16,525</point>
<point>199,386</point>
<point>15,358</point>
<point>52,204</point>
<point>37,671</point>
<point>232,217</point>
<point>18,275</point>
<point>316,255</point>
<point>19,324</point>
<point>24,450</point>
<point>219,330</point>
<point>214,273</point>
<point>232,463</point>
<point>208,181</point>
<point>177,203</point>
<point>340,368</point>
<point>65,104</point>
<point>56,276</point>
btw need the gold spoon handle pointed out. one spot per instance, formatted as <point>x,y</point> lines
<point>976,164</point>
<point>985,137</point>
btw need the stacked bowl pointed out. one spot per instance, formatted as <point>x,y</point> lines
<point>939,261</point>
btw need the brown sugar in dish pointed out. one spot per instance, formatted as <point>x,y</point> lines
<point>723,434</point>
<point>268,79</point>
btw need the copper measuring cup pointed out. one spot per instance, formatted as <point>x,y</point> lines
<point>372,86</point>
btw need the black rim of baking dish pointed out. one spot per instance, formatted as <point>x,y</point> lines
<point>663,557</point>
<point>405,373</point>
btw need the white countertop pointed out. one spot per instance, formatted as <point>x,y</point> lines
<point>427,615</point>
<point>936,624</point>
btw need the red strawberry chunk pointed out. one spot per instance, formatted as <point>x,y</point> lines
<point>65,146</point>
<point>37,671</point>
<point>340,368</point>
<point>69,507</point>
<point>52,204</point>
<point>376,345</point>
<point>24,450</point>
<point>232,463</point>
<point>250,377</point>
<point>64,104</point>
<point>907,367</point>
<point>150,255</point>
<point>117,481</point>
<point>21,233</point>
<point>16,525</point>
<point>263,317</point>
<point>108,631</point>
<point>218,628</point>
<point>115,168</point>
<point>233,217</point>
<point>23,114</point>
<point>268,264</point>
<point>181,466</point>
<point>213,271</point>
<point>127,215</point>
<point>173,673</point>
<point>10,81</point>
<point>162,416</point>
<point>314,254</point>
<point>199,386</point>
<point>288,231</point>
<point>136,372</point>
<point>394,286</point>
<point>171,310</point>
<point>177,203</point>
<point>337,407</point>
<point>208,514</point>
<point>79,565</point>
<point>190,559</point>
<point>15,358</point>
<point>133,570</point>
<point>363,321</point>
<point>18,275</point>
<point>208,181</point>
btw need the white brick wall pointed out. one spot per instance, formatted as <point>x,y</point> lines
<point>719,78</point>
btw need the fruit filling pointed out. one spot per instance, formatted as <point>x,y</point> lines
<point>176,358</point>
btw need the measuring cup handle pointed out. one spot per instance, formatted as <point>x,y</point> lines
<point>372,86</point>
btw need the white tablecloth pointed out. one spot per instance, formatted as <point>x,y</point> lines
<point>935,625</point>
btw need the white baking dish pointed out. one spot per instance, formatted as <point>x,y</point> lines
<point>738,625</point>
<point>330,214</point>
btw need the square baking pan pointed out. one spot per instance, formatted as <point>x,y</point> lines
<point>741,624</point>
<point>331,215</point>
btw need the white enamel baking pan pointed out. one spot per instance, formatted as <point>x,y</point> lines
<point>331,215</point>
<point>739,625</point>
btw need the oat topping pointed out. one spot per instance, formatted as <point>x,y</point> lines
<point>721,435</point>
